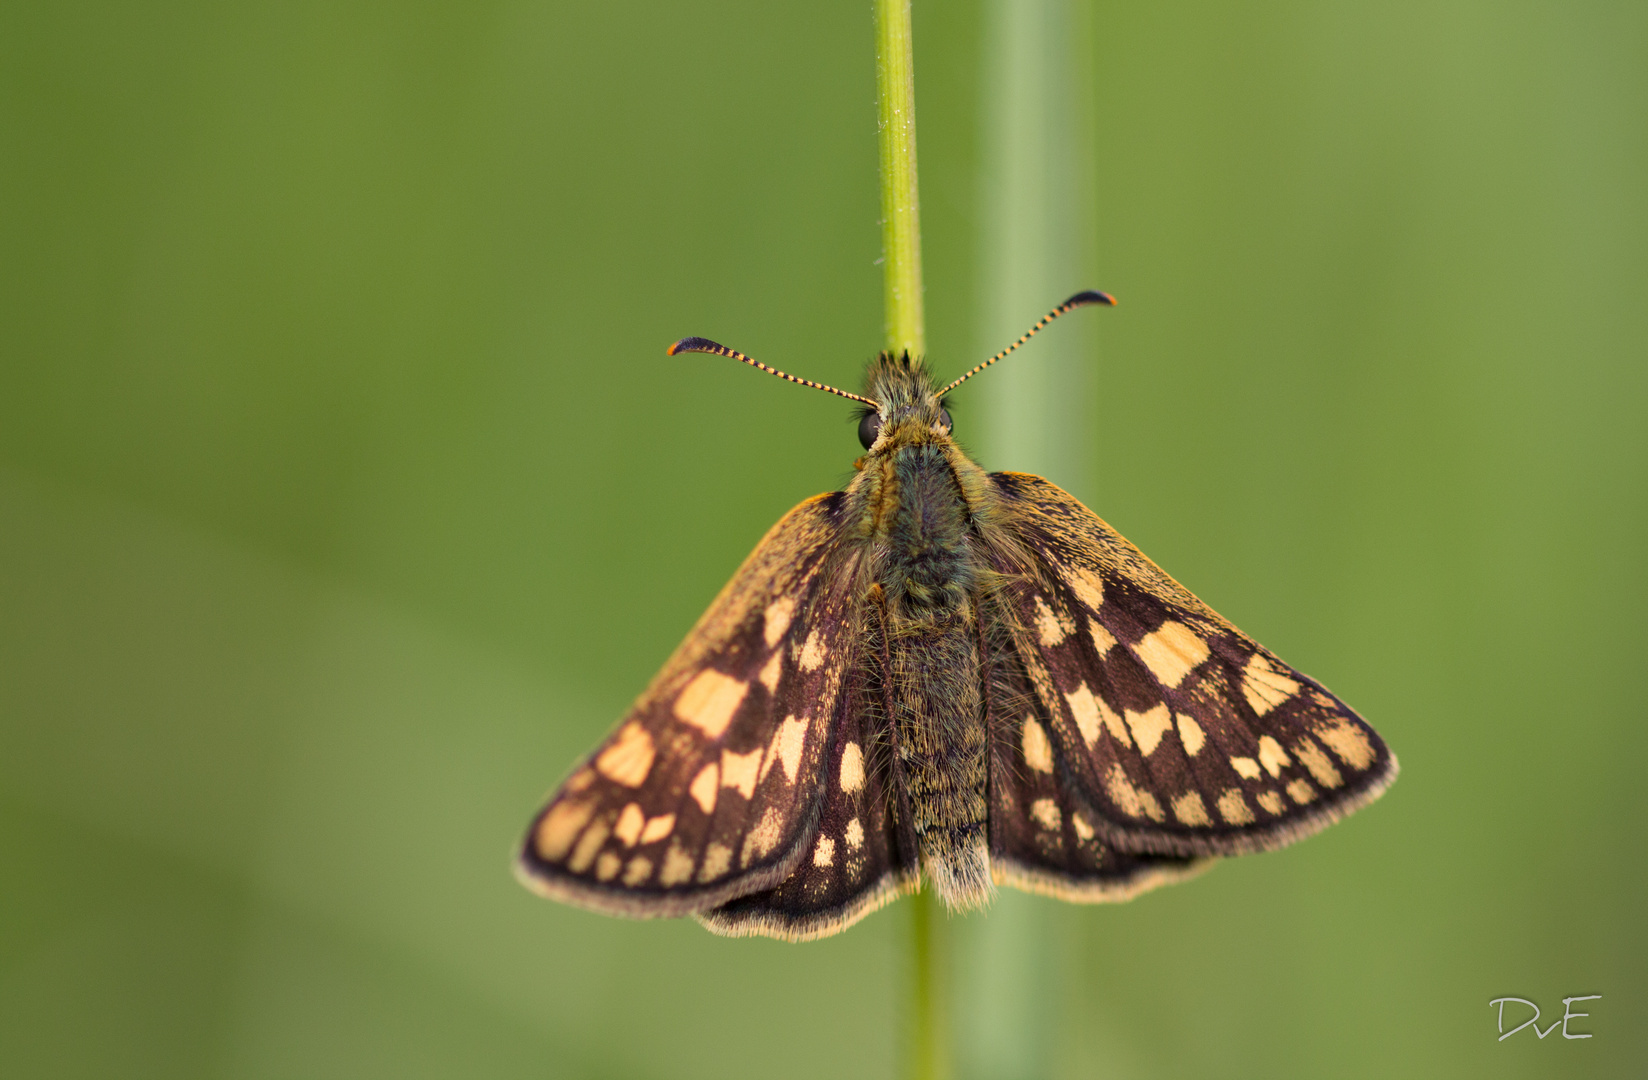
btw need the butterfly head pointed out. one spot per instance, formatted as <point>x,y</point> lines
<point>904,407</point>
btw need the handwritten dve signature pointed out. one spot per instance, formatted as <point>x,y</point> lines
<point>1567,1015</point>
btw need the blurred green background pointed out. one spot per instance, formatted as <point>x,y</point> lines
<point>346,496</point>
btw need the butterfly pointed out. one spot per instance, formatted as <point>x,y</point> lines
<point>948,678</point>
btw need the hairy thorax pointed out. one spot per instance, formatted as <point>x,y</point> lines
<point>924,559</point>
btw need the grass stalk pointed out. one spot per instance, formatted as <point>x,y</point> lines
<point>900,204</point>
<point>906,331</point>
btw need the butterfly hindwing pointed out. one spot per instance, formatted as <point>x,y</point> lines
<point>856,862</point>
<point>710,787</point>
<point>1180,733</point>
<point>1043,836</point>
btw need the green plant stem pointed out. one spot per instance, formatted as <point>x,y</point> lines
<point>907,332</point>
<point>900,205</point>
<point>924,1050</point>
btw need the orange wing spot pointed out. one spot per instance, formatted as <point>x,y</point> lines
<point>1234,809</point>
<point>560,827</point>
<point>1131,800</point>
<point>705,786</point>
<point>588,845</point>
<point>739,771</point>
<point>678,866</point>
<point>1308,751</point>
<point>1190,810</point>
<point>1264,686</point>
<point>1149,727</point>
<point>1171,651</point>
<point>1348,741</point>
<point>710,700</point>
<point>630,822</point>
<point>1272,756</point>
<point>658,828</point>
<point>628,760</point>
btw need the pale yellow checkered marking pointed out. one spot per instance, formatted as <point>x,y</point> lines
<point>1314,758</point>
<point>1046,814</point>
<point>628,760</point>
<point>1090,712</point>
<point>1245,767</point>
<point>1051,627</point>
<point>739,771</point>
<point>705,787</point>
<point>1133,801</point>
<point>1084,830</point>
<point>1103,640</point>
<point>630,823</point>
<point>811,655</point>
<point>1271,801</point>
<point>579,780</point>
<point>1272,756</point>
<point>606,867</point>
<point>772,671</point>
<point>824,852</point>
<point>854,834</point>
<point>1264,686</point>
<point>852,768</point>
<point>710,700</point>
<point>1171,651</point>
<point>1301,792</point>
<point>717,859</point>
<point>785,749</point>
<point>1190,733</point>
<point>777,618</point>
<point>1148,727</point>
<point>677,866</point>
<point>1085,708</point>
<point>1190,810</point>
<point>1088,586</point>
<point>560,827</point>
<point>763,838</point>
<point>1038,753</point>
<point>589,844</point>
<point>1348,741</point>
<point>658,828</point>
<point>1234,809</point>
<point>638,870</point>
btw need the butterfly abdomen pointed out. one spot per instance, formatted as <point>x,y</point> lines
<point>929,576</point>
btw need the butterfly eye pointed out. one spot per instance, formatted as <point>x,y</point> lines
<point>868,429</point>
<point>944,420</point>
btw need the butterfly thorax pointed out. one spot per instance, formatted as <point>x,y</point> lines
<point>911,508</point>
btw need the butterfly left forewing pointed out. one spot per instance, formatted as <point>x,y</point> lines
<point>1182,734</point>
<point>709,788</point>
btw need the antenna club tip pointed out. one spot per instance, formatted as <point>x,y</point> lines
<point>1090,296</point>
<point>692,344</point>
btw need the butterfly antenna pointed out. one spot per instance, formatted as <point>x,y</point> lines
<point>1081,299</point>
<point>705,345</point>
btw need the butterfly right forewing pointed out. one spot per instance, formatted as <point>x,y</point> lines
<point>1180,733</point>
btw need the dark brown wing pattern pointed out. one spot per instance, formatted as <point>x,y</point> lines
<point>857,861</point>
<point>1044,838</point>
<point>711,787</point>
<point>1181,734</point>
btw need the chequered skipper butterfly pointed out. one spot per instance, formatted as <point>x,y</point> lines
<point>948,676</point>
